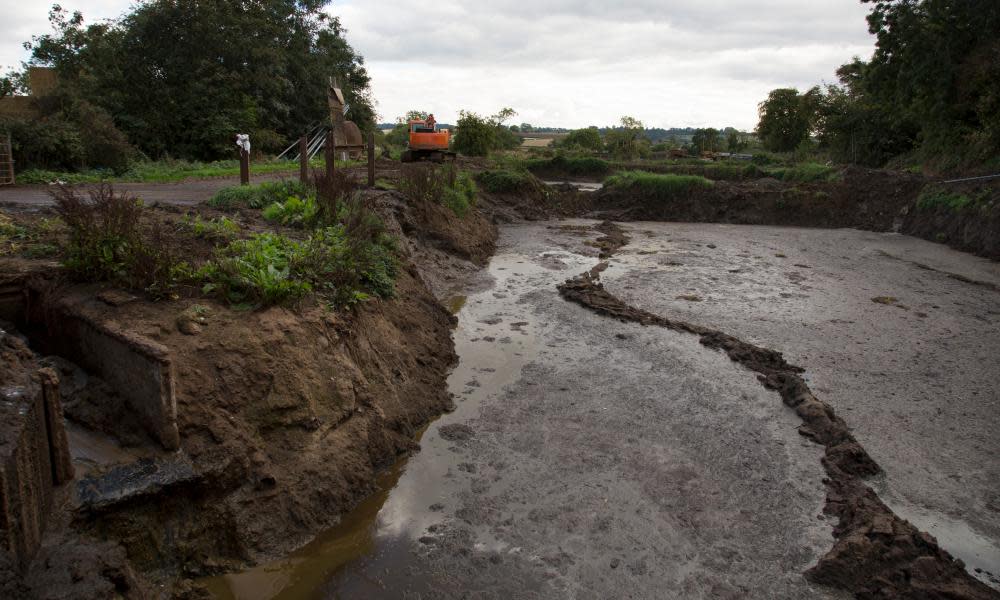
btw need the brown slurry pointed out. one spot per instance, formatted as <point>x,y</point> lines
<point>876,554</point>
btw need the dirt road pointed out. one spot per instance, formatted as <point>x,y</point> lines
<point>182,193</point>
<point>591,458</point>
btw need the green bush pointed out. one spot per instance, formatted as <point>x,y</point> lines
<point>258,196</point>
<point>476,135</point>
<point>506,181</point>
<point>659,187</point>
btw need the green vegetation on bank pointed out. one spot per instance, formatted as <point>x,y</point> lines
<point>346,256</point>
<point>656,186</point>
<point>939,197</point>
<point>270,269</point>
<point>257,196</point>
<point>439,184</point>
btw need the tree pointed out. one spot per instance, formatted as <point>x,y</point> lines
<point>627,139</point>
<point>181,77</point>
<point>476,136</point>
<point>585,139</point>
<point>706,140</point>
<point>785,119</point>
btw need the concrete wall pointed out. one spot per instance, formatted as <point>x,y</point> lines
<point>34,458</point>
<point>137,368</point>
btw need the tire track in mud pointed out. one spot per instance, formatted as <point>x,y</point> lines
<point>876,554</point>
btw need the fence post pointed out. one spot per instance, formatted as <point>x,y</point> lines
<point>371,159</point>
<point>304,160</point>
<point>330,154</point>
<point>244,167</point>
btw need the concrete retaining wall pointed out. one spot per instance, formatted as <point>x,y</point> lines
<point>34,458</point>
<point>137,368</point>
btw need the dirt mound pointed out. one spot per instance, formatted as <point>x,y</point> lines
<point>876,554</point>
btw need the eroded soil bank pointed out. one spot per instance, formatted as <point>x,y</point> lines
<point>286,416</point>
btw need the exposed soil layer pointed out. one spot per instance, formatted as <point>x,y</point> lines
<point>874,200</point>
<point>876,554</point>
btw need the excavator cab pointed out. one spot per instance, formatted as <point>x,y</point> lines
<point>427,142</point>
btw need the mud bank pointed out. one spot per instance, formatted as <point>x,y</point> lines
<point>866,199</point>
<point>876,554</point>
<point>284,417</point>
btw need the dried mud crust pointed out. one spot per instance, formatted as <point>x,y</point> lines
<point>876,554</point>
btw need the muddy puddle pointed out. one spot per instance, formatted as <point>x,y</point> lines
<point>581,186</point>
<point>980,555</point>
<point>494,339</point>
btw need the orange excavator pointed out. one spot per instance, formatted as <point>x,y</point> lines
<point>427,142</point>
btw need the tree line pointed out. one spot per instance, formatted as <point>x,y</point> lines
<point>930,92</point>
<point>179,78</point>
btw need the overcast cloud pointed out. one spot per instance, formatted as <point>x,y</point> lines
<point>570,63</point>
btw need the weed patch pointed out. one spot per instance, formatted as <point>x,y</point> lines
<point>271,269</point>
<point>220,229</point>
<point>109,242</point>
<point>257,196</point>
<point>439,185</point>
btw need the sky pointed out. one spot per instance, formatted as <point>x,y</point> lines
<point>568,63</point>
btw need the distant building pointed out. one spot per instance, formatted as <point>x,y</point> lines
<point>42,82</point>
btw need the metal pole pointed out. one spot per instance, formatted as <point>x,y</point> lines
<point>371,159</point>
<point>330,157</point>
<point>304,160</point>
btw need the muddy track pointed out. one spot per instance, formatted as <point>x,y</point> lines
<point>876,554</point>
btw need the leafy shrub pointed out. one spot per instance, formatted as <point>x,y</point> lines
<point>294,211</point>
<point>108,241</point>
<point>659,187</point>
<point>271,269</point>
<point>256,270</point>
